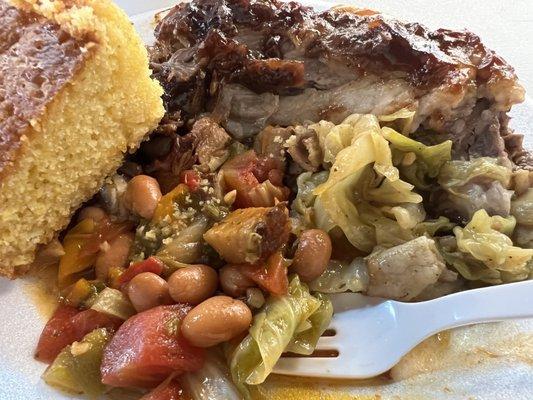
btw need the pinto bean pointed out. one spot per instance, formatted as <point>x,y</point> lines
<point>312,254</point>
<point>193,284</point>
<point>148,290</point>
<point>216,320</point>
<point>142,196</point>
<point>234,283</point>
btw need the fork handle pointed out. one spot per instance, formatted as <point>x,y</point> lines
<point>495,303</point>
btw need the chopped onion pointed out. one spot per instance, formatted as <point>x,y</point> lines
<point>114,303</point>
<point>342,277</point>
<point>212,381</point>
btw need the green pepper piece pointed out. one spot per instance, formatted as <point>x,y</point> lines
<point>77,368</point>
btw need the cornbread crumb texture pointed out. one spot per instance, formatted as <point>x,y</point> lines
<point>65,153</point>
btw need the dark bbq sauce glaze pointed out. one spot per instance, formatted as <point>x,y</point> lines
<point>37,58</point>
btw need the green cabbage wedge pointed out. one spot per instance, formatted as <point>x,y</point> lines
<point>364,195</point>
<point>486,251</point>
<point>292,323</point>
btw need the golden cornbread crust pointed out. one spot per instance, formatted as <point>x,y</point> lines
<point>79,137</point>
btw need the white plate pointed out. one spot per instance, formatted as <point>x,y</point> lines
<point>22,322</point>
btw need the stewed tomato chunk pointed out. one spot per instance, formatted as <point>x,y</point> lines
<point>149,347</point>
<point>270,275</point>
<point>151,264</point>
<point>258,181</point>
<point>68,325</point>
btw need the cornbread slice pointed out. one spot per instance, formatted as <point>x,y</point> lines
<point>75,95</point>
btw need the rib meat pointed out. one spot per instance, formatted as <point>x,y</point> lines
<point>250,63</point>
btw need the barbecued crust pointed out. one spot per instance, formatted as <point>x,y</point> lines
<point>268,62</point>
<point>263,45</point>
<point>75,95</point>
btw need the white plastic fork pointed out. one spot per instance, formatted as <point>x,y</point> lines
<point>368,336</point>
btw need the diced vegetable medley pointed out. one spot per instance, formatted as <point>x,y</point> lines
<point>207,269</point>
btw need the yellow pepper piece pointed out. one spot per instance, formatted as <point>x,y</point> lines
<point>80,292</point>
<point>72,261</point>
<point>114,275</point>
<point>166,204</point>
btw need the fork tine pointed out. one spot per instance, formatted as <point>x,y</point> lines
<point>306,366</point>
<point>335,354</point>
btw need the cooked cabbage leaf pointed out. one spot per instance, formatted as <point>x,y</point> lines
<point>428,159</point>
<point>454,174</point>
<point>285,323</point>
<point>340,277</point>
<point>522,208</point>
<point>308,333</point>
<point>363,186</point>
<point>486,252</point>
<point>307,183</point>
<point>389,233</point>
<point>468,186</point>
<point>369,149</point>
<point>470,268</point>
<point>392,192</point>
<point>408,215</point>
<point>484,240</point>
<point>431,226</point>
<point>334,138</point>
<point>336,207</point>
<point>302,213</point>
<point>401,119</point>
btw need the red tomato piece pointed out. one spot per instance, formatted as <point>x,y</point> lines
<point>68,325</point>
<point>166,391</point>
<point>89,320</point>
<point>149,347</point>
<point>191,178</point>
<point>151,264</point>
<point>239,176</point>
<point>271,276</point>
<point>56,334</point>
<point>269,168</point>
<point>248,175</point>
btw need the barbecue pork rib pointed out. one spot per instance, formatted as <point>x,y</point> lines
<point>251,63</point>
